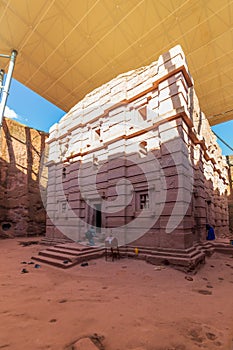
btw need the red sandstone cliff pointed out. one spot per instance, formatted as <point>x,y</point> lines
<point>230,196</point>
<point>21,208</point>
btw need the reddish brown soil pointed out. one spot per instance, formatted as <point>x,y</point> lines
<point>133,305</point>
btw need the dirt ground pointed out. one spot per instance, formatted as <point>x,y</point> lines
<point>130,303</point>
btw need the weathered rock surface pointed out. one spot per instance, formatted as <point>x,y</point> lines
<point>21,208</point>
<point>230,193</point>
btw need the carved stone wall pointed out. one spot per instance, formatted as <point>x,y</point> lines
<point>137,156</point>
<point>21,208</point>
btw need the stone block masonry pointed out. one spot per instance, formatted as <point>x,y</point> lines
<point>137,158</point>
<point>22,212</point>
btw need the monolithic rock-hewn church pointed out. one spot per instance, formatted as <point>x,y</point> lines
<point>136,159</point>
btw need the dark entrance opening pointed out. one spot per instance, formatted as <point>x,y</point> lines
<point>6,227</point>
<point>98,217</point>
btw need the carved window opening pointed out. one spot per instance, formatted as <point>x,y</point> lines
<point>95,161</point>
<point>143,149</point>
<point>144,201</point>
<point>64,173</point>
<point>63,207</point>
<point>97,134</point>
<point>143,112</point>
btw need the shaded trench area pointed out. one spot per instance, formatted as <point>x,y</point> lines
<point>21,207</point>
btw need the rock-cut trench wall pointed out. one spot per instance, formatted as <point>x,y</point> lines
<point>22,211</point>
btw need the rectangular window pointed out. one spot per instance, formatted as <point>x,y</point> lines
<point>144,201</point>
<point>96,134</point>
<point>63,207</point>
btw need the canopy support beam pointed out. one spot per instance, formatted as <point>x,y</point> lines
<point>6,88</point>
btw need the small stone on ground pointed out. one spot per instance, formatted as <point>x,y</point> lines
<point>211,336</point>
<point>84,344</point>
<point>204,292</point>
<point>188,278</point>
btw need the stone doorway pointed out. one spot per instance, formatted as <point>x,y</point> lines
<point>98,218</point>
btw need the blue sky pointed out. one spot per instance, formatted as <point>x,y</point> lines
<point>225,131</point>
<point>33,110</point>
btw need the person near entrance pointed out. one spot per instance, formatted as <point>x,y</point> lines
<point>90,234</point>
<point>210,233</point>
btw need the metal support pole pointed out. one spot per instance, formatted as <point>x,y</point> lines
<point>1,80</point>
<point>4,56</point>
<point>6,88</point>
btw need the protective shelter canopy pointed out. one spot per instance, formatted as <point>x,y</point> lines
<point>66,48</point>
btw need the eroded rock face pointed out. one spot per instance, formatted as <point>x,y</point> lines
<point>21,208</point>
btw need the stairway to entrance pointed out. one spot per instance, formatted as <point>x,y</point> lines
<point>68,254</point>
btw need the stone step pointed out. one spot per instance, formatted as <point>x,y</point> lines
<point>186,259</point>
<point>57,260</point>
<point>53,241</point>
<point>222,244</point>
<point>75,247</point>
<point>72,252</point>
<point>224,250</point>
<point>204,246</point>
<point>156,252</point>
<point>57,256</point>
<point>164,250</point>
<point>186,264</point>
<point>67,256</point>
<point>57,239</point>
<point>208,252</point>
<point>62,251</point>
<point>53,262</point>
<point>163,257</point>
